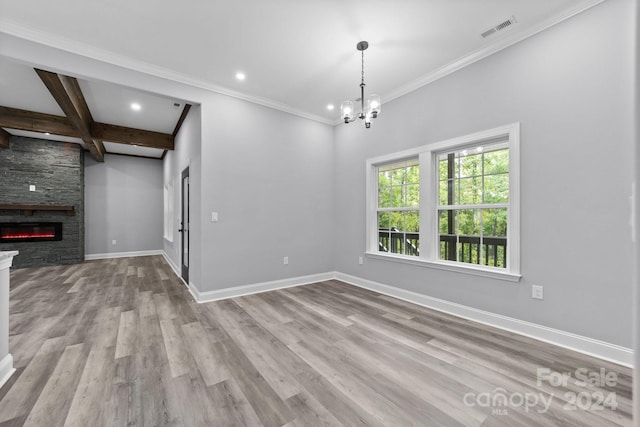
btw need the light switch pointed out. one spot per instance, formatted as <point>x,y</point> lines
<point>32,187</point>
<point>214,216</point>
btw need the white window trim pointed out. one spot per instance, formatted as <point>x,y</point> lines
<point>427,156</point>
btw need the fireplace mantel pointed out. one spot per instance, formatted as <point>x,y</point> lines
<point>27,210</point>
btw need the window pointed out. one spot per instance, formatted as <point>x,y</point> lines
<point>473,190</point>
<point>452,205</point>
<point>398,208</point>
<point>168,211</point>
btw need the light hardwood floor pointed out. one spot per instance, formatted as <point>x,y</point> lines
<point>122,343</point>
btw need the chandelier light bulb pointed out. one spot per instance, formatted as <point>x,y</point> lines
<point>373,105</point>
<point>346,111</point>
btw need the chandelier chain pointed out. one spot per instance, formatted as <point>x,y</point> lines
<point>362,52</point>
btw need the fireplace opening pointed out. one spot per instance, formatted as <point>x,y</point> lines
<point>30,231</point>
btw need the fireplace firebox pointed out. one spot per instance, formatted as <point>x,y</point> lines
<point>30,231</point>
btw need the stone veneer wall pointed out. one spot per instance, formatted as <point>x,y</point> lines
<point>57,171</point>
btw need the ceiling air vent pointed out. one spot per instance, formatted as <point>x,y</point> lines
<point>501,26</point>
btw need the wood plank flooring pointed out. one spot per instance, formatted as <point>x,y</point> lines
<point>122,343</point>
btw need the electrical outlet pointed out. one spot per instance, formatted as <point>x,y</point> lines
<point>360,260</point>
<point>537,292</point>
<point>113,242</point>
<point>286,260</point>
<point>32,187</point>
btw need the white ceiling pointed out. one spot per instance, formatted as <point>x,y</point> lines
<point>20,87</point>
<point>298,56</point>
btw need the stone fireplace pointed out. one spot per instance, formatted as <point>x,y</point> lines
<point>42,194</point>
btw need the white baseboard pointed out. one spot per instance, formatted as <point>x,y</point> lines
<point>173,266</point>
<point>6,369</point>
<point>592,347</point>
<point>256,288</point>
<point>89,257</point>
<point>603,350</point>
<point>190,286</point>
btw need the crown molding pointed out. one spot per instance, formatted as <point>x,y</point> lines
<point>486,51</point>
<point>83,49</point>
<point>77,47</point>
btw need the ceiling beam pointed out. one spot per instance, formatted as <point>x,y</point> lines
<point>125,135</point>
<point>67,93</point>
<point>14,118</point>
<point>4,138</point>
<point>183,116</point>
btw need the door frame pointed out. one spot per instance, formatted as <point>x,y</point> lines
<point>184,225</point>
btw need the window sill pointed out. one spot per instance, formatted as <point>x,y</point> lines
<point>443,265</point>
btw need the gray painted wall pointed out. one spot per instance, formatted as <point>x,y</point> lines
<point>269,175</point>
<point>569,87</point>
<point>123,202</point>
<point>186,153</point>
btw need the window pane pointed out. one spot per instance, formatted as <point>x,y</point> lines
<point>396,220</point>
<point>384,178</point>
<point>383,221</point>
<point>448,238</point>
<point>470,191</point>
<point>443,192</point>
<point>398,176</point>
<point>469,222</point>
<point>445,218</point>
<point>442,168</point>
<point>383,241</point>
<point>413,174</point>
<point>494,222</point>
<point>470,165</point>
<point>399,187</point>
<point>397,200</point>
<point>494,230</point>
<point>412,244</point>
<point>496,188</point>
<point>412,222</point>
<point>398,232</point>
<point>496,161</point>
<point>384,197</point>
<point>412,195</point>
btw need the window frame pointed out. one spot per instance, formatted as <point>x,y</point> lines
<point>429,241</point>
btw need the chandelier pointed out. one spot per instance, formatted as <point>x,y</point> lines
<point>372,108</point>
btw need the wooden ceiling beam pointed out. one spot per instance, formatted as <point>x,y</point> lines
<point>4,138</point>
<point>125,135</point>
<point>14,118</point>
<point>183,116</point>
<point>67,93</point>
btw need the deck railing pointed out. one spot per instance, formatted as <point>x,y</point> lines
<point>468,248</point>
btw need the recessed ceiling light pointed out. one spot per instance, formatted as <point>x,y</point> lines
<point>240,75</point>
<point>135,106</point>
<point>330,107</point>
